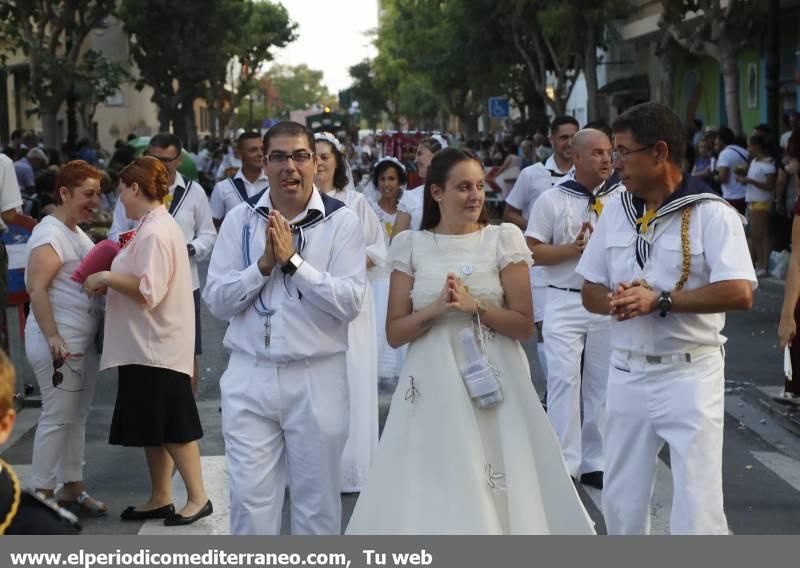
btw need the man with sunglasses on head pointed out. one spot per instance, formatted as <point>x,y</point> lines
<point>188,204</point>
<point>667,259</point>
<point>288,274</point>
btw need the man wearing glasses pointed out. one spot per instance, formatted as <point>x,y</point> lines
<point>667,259</point>
<point>188,204</point>
<point>288,274</point>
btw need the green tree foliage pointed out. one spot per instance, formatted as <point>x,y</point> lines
<point>51,34</point>
<point>97,79</point>
<point>371,99</point>
<point>263,26</point>
<point>183,50</point>
<point>719,30</point>
<point>297,87</point>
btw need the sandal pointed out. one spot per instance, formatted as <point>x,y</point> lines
<point>85,505</point>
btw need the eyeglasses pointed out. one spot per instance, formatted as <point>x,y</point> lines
<point>622,155</point>
<point>299,157</point>
<point>58,376</point>
<point>163,159</point>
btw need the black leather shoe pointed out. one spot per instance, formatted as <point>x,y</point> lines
<point>593,479</point>
<point>131,514</point>
<point>179,520</point>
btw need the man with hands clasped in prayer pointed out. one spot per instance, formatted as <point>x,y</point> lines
<point>288,274</point>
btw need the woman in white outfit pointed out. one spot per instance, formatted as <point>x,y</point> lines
<point>389,178</point>
<point>456,459</point>
<point>362,353</point>
<point>409,210</point>
<point>59,338</point>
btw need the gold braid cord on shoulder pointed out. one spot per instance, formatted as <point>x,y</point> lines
<point>12,512</point>
<point>686,251</point>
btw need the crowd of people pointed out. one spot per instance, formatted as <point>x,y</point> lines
<point>611,253</point>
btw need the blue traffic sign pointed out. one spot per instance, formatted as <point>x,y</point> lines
<point>499,107</point>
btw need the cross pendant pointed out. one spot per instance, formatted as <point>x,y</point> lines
<point>267,330</point>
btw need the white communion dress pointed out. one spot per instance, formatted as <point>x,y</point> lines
<point>444,465</point>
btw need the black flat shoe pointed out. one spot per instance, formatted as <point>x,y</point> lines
<point>179,520</point>
<point>131,514</point>
<point>593,479</point>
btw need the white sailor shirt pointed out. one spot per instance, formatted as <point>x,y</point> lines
<point>226,195</point>
<point>310,310</point>
<point>718,250</point>
<point>556,219</point>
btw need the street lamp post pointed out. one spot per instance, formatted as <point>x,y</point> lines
<point>250,113</point>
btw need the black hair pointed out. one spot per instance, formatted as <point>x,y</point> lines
<point>385,165</point>
<point>247,136</point>
<point>340,175</point>
<point>761,141</point>
<point>650,123</point>
<point>438,172</point>
<point>726,136</point>
<point>559,121</point>
<point>165,140</point>
<point>288,128</point>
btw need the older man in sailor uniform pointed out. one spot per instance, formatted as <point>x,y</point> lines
<point>560,225</point>
<point>667,259</point>
<point>288,273</point>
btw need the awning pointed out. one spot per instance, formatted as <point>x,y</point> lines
<point>632,84</point>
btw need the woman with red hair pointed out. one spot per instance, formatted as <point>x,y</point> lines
<point>149,336</point>
<point>59,336</point>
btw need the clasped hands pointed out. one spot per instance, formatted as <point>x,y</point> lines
<point>454,296</point>
<point>632,299</point>
<point>279,247</point>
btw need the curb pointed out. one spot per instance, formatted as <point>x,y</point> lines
<point>785,415</point>
<point>771,283</point>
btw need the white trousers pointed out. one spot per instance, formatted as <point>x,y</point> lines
<point>60,439</point>
<point>682,404</point>
<point>569,331</point>
<point>282,420</point>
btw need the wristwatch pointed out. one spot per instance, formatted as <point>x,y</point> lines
<point>292,264</point>
<point>664,304</point>
<point>191,249</point>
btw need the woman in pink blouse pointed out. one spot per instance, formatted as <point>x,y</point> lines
<point>149,337</point>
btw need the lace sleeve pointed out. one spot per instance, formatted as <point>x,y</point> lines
<point>400,253</point>
<point>511,247</point>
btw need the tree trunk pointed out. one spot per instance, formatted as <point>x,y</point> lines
<point>730,77</point>
<point>590,73</point>
<point>773,71</point>
<point>666,56</point>
<point>72,120</point>
<point>163,119</point>
<point>49,118</point>
<point>189,137</point>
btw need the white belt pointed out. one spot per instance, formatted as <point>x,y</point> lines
<point>686,357</point>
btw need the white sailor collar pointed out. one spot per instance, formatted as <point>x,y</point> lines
<point>314,203</point>
<point>240,175</point>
